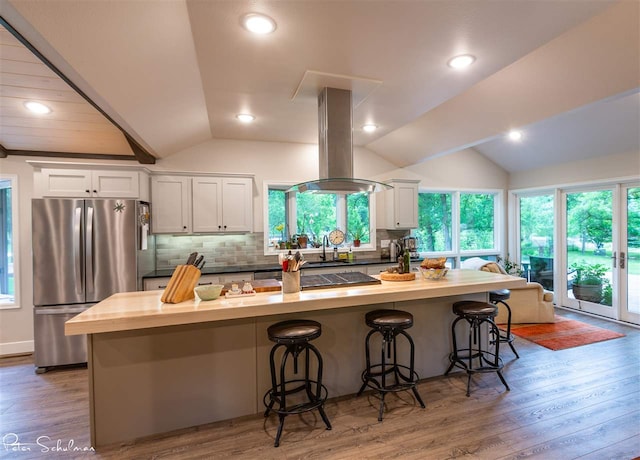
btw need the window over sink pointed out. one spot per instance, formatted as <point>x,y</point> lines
<point>301,220</point>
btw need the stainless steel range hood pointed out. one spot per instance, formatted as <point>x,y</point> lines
<point>335,146</point>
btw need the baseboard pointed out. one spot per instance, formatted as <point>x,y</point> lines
<point>16,348</point>
<point>593,315</point>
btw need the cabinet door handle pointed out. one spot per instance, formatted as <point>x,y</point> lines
<point>95,191</point>
<point>205,284</point>
<point>88,191</point>
<point>162,287</point>
<point>184,227</point>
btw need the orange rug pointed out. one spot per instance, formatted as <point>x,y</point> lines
<point>564,333</point>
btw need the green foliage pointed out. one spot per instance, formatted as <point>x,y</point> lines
<point>511,267</point>
<point>476,221</point>
<point>536,225</point>
<point>277,214</point>
<point>359,232</point>
<point>318,212</point>
<point>434,222</point>
<point>358,216</point>
<point>633,217</point>
<point>589,273</point>
<point>589,217</point>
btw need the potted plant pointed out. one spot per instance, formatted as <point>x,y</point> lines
<point>512,268</point>
<point>280,228</point>
<point>589,281</point>
<point>357,234</point>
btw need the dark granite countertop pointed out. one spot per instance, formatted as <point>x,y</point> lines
<point>257,268</point>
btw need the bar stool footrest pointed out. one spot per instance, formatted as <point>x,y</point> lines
<point>270,400</point>
<point>461,364</point>
<point>372,377</point>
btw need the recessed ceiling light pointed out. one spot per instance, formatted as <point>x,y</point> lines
<point>515,135</point>
<point>37,107</point>
<point>462,61</point>
<point>245,117</point>
<point>369,128</point>
<point>258,23</point>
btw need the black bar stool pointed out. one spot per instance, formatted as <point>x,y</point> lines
<point>294,336</point>
<point>500,296</point>
<point>389,324</point>
<point>476,360</point>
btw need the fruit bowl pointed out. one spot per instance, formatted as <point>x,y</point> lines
<point>209,292</point>
<point>433,273</point>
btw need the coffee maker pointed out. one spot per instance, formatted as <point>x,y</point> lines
<point>411,243</point>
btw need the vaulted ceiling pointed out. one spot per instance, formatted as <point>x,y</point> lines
<point>173,74</point>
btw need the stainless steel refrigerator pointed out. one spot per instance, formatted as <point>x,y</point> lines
<point>83,251</point>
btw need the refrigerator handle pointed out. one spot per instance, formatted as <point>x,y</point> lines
<point>89,260</point>
<point>77,237</point>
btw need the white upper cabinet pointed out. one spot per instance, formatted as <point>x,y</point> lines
<point>171,204</point>
<point>401,204</point>
<point>206,204</point>
<point>80,183</point>
<point>237,204</point>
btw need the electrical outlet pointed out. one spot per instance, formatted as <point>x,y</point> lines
<point>384,243</point>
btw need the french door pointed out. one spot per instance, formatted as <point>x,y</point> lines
<point>600,251</point>
<point>629,260</point>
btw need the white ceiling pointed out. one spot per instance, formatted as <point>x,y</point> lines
<point>174,73</point>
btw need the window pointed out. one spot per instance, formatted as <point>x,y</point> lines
<point>434,222</point>
<point>8,242</point>
<point>476,232</point>
<point>536,226</point>
<point>291,216</point>
<point>476,221</point>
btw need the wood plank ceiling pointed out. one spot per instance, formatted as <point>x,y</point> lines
<point>74,128</point>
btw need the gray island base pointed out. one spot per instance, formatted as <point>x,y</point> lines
<point>150,379</point>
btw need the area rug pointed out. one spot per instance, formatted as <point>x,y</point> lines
<point>564,333</point>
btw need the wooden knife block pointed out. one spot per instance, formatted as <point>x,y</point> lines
<point>181,284</point>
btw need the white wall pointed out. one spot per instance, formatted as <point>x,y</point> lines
<point>602,168</point>
<point>16,325</point>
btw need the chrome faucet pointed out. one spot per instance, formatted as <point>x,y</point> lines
<point>325,243</point>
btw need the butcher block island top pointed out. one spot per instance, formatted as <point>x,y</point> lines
<point>141,310</point>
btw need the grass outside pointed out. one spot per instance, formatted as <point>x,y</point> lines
<point>633,261</point>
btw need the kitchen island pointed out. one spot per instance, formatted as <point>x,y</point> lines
<point>156,367</point>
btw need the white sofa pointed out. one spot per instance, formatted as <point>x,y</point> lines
<point>529,304</point>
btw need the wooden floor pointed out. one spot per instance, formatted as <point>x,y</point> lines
<point>578,403</point>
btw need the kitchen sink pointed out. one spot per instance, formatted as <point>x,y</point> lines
<point>331,280</point>
<point>329,263</point>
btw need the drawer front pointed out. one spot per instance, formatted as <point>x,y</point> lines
<point>153,284</point>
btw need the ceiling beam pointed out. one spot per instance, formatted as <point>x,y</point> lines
<point>139,152</point>
<point>44,153</point>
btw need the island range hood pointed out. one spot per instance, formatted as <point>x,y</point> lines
<point>335,145</point>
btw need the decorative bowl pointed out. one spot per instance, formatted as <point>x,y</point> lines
<point>208,292</point>
<point>433,273</point>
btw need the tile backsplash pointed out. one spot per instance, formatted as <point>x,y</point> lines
<point>230,250</point>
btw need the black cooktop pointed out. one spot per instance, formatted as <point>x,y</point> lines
<point>331,280</point>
